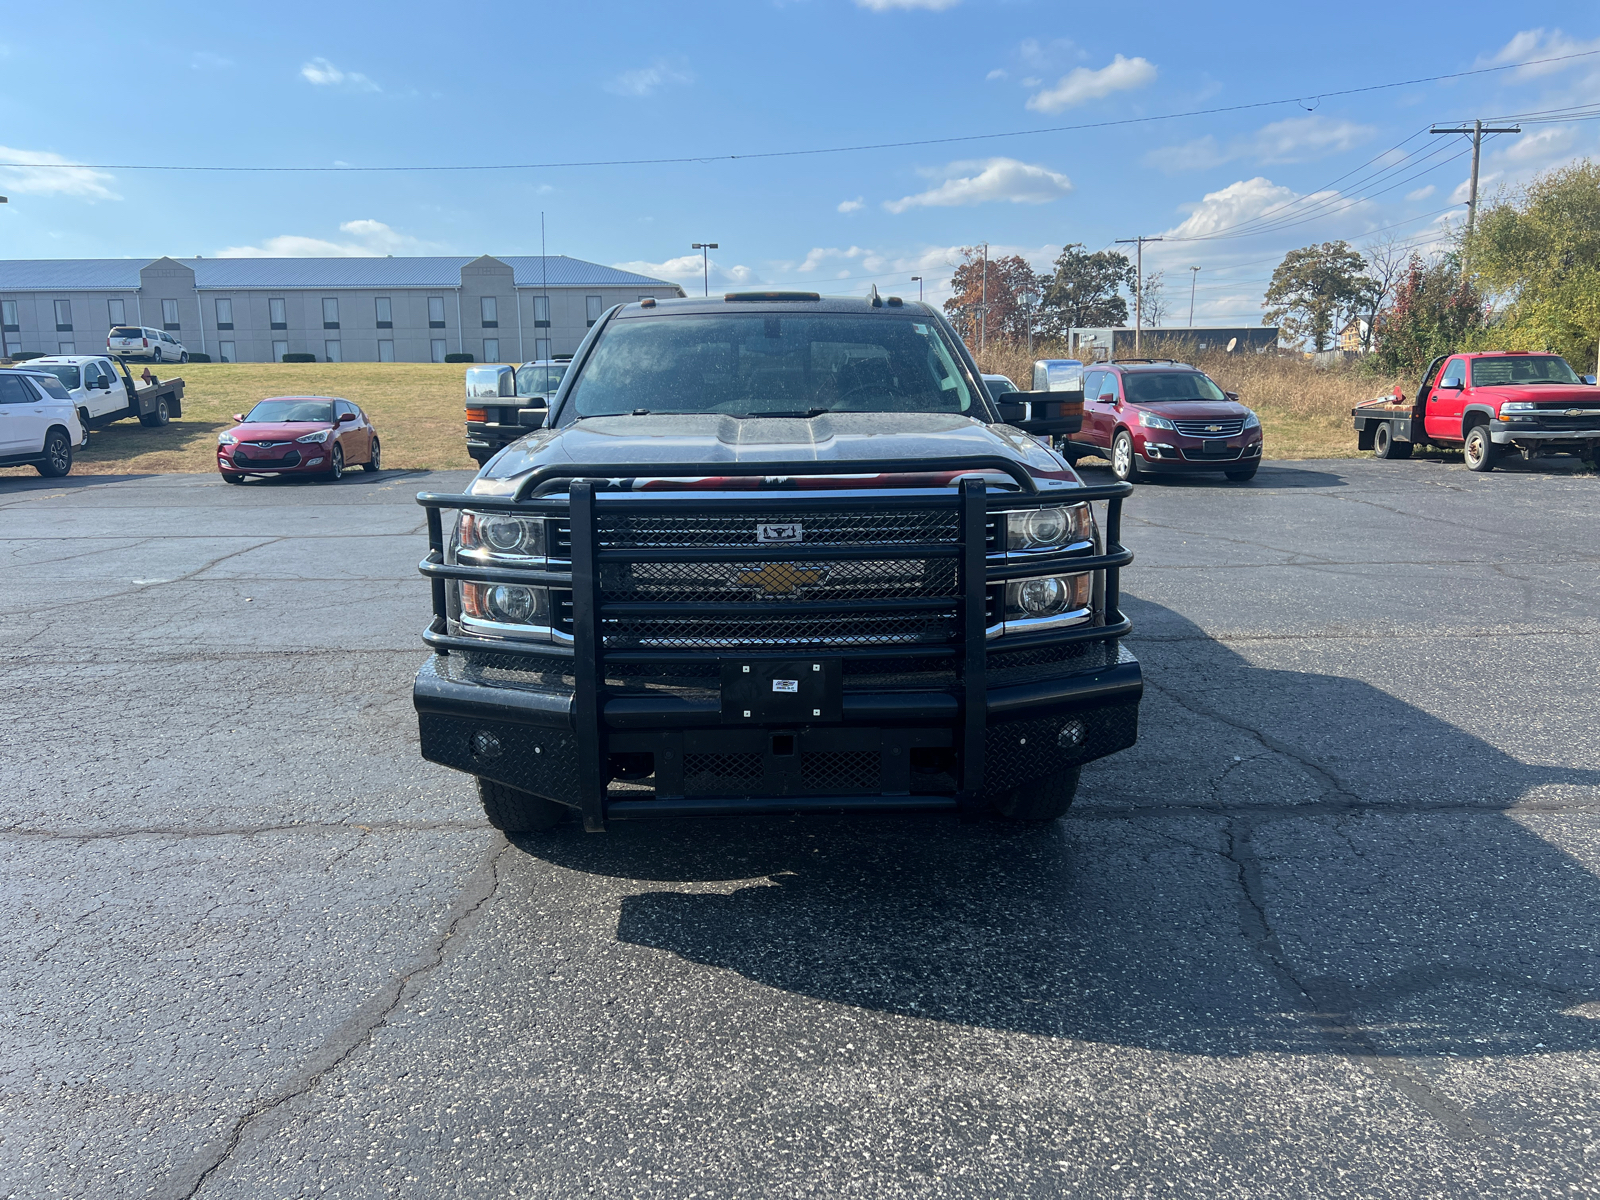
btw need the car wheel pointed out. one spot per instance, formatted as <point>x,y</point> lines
<point>159,417</point>
<point>1043,800</point>
<point>155,354</point>
<point>376,464</point>
<point>337,470</point>
<point>57,455</point>
<point>1479,449</point>
<point>184,357</point>
<point>512,811</point>
<point>1124,461</point>
<point>1384,444</point>
<point>1240,474</point>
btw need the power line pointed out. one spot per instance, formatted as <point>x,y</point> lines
<point>708,158</point>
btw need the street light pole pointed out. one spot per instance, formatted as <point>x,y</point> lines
<point>917,279</point>
<point>1194,273</point>
<point>1138,291</point>
<point>705,249</point>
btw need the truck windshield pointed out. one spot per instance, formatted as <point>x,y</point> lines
<point>770,364</point>
<point>68,375</point>
<point>539,381</point>
<point>282,411</point>
<point>1160,386</point>
<point>1531,368</point>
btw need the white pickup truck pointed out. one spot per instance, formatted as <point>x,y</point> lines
<point>103,391</point>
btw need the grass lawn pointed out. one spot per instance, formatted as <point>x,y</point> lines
<point>418,410</point>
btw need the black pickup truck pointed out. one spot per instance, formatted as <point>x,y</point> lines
<point>773,553</point>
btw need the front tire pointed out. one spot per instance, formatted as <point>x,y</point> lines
<point>1479,449</point>
<point>184,357</point>
<point>512,811</point>
<point>336,472</point>
<point>1384,444</point>
<point>159,417</point>
<point>1042,800</point>
<point>57,455</point>
<point>1124,459</point>
<point>376,463</point>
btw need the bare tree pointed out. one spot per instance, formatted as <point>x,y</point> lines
<point>1153,299</point>
<point>1388,259</point>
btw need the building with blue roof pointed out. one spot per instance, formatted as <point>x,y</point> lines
<point>411,309</point>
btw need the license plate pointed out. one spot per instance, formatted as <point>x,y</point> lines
<point>1214,446</point>
<point>787,691</point>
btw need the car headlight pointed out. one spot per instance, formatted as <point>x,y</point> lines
<point>320,435</point>
<point>1251,421</point>
<point>500,535</point>
<point>1518,406</point>
<point>506,604</point>
<point>227,439</point>
<point>1045,528</point>
<point>1046,597</point>
<point>1150,421</point>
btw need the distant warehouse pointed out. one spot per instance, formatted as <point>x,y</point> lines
<point>1104,343</point>
<point>509,309</point>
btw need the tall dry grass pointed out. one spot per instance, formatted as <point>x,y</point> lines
<point>1305,410</point>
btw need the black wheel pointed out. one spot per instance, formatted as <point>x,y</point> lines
<point>1385,445</point>
<point>513,811</point>
<point>337,470</point>
<point>228,477</point>
<point>1124,461</point>
<point>1043,800</point>
<point>57,455</point>
<point>83,419</point>
<point>1479,450</point>
<point>155,355</point>
<point>1240,474</point>
<point>160,416</point>
<point>376,462</point>
<point>184,357</point>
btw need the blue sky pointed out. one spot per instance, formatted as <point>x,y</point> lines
<point>297,84</point>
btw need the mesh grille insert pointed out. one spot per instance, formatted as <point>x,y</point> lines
<point>829,772</point>
<point>626,531</point>
<point>720,774</point>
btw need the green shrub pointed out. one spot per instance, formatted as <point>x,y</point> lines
<point>299,358</point>
<point>26,355</point>
<point>458,358</point>
<point>193,357</point>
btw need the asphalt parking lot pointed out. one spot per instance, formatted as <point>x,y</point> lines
<point>1331,928</point>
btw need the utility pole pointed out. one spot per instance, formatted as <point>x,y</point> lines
<point>1194,273</point>
<point>983,306</point>
<point>705,249</point>
<point>1138,291</point>
<point>1475,131</point>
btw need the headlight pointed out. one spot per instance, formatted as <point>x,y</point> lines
<point>512,604</point>
<point>1518,406</point>
<point>1043,528</point>
<point>227,439</point>
<point>1046,597</point>
<point>500,535</point>
<point>1251,421</point>
<point>1150,421</point>
<point>320,435</point>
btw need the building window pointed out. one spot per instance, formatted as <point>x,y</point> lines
<point>592,308</point>
<point>541,312</point>
<point>541,349</point>
<point>330,312</point>
<point>117,311</point>
<point>335,353</point>
<point>279,349</point>
<point>491,350</point>
<point>225,352</point>
<point>385,317</point>
<point>385,350</point>
<point>491,312</point>
<point>224,313</point>
<point>8,316</point>
<point>436,314</point>
<point>436,346</point>
<point>169,315</point>
<point>277,315</point>
<point>63,317</point>
<point>67,348</point>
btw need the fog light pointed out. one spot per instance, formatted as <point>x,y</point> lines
<point>1042,597</point>
<point>485,745</point>
<point>1072,735</point>
<point>510,603</point>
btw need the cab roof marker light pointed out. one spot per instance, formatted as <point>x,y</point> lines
<point>647,301</point>
<point>733,297</point>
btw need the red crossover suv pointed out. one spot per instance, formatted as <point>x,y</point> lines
<point>298,435</point>
<point>1151,417</point>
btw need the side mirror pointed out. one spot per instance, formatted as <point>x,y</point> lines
<point>1589,379</point>
<point>343,417</point>
<point>1043,412</point>
<point>1234,396</point>
<point>238,418</point>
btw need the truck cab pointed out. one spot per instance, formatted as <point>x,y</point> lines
<point>774,553</point>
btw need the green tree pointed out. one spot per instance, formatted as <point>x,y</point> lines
<point>1316,290</point>
<point>1537,253</point>
<point>1083,291</point>
<point>1435,311</point>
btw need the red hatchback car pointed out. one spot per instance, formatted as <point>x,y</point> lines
<point>298,435</point>
<point>1158,417</point>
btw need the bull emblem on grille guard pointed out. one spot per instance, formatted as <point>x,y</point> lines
<point>780,579</point>
<point>780,533</point>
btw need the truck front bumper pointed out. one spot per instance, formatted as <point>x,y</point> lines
<point>1504,433</point>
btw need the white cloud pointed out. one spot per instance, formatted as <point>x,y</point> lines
<point>1536,43</point>
<point>890,5</point>
<point>26,173</point>
<point>1422,193</point>
<point>993,179</point>
<point>367,239</point>
<point>647,80</point>
<point>323,73</point>
<point>850,206</point>
<point>686,271</point>
<point>1082,84</point>
<point>1463,190</point>
<point>1294,140</point>
<point>997,73</point>
<point>205,60</point>
<point>1532,149</point>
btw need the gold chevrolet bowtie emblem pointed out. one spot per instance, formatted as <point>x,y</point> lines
<point>1213,428</point>
<point>780,579</point>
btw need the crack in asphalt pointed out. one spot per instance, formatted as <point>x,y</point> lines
<point>354,1033</point>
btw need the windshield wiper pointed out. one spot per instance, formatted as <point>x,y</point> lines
<point>799,412</point>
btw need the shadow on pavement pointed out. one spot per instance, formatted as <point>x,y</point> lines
<point>1270,475</point>
<point>34,482</point>
<point>1451,931</point>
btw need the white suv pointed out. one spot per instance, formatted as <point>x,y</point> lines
<point>39,424</point>
<point>140,341</point>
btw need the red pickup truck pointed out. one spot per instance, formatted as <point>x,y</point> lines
<point>1488,404</point>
